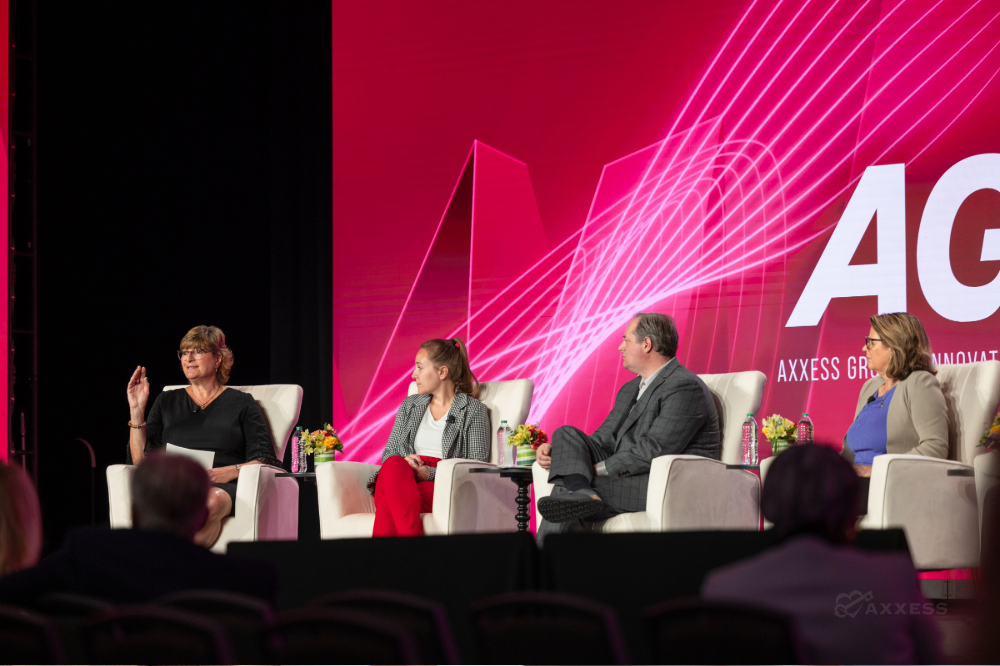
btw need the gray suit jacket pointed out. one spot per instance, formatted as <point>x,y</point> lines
<point>675,415</point>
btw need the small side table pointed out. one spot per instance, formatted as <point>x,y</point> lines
<point>522,477</point>
<point>298,475</point>
<point>308,504</point>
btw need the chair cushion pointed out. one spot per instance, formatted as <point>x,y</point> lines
<point>636,521</point>
<point>360,525</point>
<point>736,395</point>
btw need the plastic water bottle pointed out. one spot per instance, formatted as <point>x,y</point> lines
<point>750,456</point>
<point>295,450</point>
<point>804,431</point>
<point>503,449</point>
<point>303,456</point>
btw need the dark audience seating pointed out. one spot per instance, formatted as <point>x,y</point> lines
<point>546,628</point>
<point>422,590</point>
<point>244,619</point>
<point>28,638</point>
<point>452,570</point>
<point>426,620</point>
<point>338,636</point>
<point>68,612</point>
<point>701,632</point>
<point>137,634</point>
<point>632,571</point>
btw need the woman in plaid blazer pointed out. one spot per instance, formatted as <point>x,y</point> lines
<point>444,420</point>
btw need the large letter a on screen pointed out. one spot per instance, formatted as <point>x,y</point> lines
<point>882,190</point>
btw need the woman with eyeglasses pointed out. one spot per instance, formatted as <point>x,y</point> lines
<point>901,410</point>
<point>443,420</point>
<point>204,416</point>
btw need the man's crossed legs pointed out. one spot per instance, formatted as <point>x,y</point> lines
<point>576,498</point>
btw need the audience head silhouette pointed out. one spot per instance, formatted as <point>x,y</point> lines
<point>811,489</point>
<point>20,521</point>
<point>168,495</point>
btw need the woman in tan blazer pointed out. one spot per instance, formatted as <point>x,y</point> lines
<point>902,410</point>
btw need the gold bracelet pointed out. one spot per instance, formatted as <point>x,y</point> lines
<point>141,425</point>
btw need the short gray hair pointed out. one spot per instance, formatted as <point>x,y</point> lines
<point>661,330</point>
<point>169,494</point>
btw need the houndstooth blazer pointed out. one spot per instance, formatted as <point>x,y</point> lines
<point>466,431</point>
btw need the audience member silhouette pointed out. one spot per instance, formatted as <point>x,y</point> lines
<point>156,557</point>
<point>849,606</point>
<point>20,521</point>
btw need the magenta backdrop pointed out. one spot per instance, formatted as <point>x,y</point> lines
<point>528,175</point>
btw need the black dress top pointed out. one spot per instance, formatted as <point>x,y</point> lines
<point>231,425</point>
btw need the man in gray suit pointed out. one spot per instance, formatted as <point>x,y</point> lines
<point>665,410</point>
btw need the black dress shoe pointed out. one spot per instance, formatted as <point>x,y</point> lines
<point>569,505</point>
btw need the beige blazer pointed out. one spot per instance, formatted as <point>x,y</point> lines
<point>917,423</point>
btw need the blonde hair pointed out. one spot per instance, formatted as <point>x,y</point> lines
<point>453,355</point>
<point>211,338</point>
<point>905,336</point>
<point>20,521</point>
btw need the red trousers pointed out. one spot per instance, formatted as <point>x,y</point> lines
<point>399,499</point>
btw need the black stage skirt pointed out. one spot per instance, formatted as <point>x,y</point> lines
<point>231,489</point>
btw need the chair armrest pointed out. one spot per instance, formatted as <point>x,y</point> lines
<point>267,508</point>
<point>765,467</point>
<point>939,512</point>
<point>695,493</point>
<point>342,490</point>
<point>120,495</point>
<point>542,487</point>
<point>467,502</point>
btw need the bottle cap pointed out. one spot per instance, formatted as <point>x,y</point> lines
<point>503,421</point>
<point>805,413</point>
<point>750,415</point>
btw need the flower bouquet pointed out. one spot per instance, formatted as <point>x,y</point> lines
<point>322,443</point>
<point>780,432</point>
<point>991,438</point>
<point>527,438</point>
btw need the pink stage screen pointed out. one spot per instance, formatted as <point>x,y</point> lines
<point>528,175</point>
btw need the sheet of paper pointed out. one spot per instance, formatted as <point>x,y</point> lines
<point>205,458</point>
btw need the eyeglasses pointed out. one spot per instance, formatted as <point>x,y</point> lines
<point>868,342</point>
<point>195,353</point>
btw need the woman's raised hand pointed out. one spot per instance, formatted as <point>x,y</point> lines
<point>138,390</point>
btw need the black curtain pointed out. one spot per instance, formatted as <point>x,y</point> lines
<point>184,178</point>
<point>302,204</point>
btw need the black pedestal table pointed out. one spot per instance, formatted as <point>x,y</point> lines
<point>522,477</point>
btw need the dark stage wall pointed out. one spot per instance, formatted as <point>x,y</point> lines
<point>184,178</point>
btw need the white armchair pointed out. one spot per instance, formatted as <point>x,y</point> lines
<point>267,508</point>
<point>940,513</point>
<point>692,492</point>
<point>464,502</point>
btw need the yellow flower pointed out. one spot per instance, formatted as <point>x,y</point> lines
<point>995,429</point>
<point>329,442</point>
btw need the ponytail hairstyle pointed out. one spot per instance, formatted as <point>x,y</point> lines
<point>453,355</point>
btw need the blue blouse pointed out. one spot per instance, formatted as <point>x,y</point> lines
<point>868,434</point>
